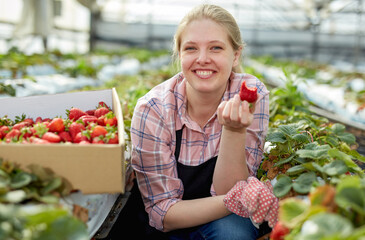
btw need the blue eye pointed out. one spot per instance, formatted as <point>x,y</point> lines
<point>217,48</point>
<point>189,48</point>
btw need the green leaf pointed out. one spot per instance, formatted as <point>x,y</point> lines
<point>347,138</point>
<point>50,199</point>
<point>358,234</point>
<point>282,186</point>
<point>336,167</point>
<point>276,137</point>
<point>304,182</point>
<point>287,130</point>
<point>285,160</point>
<point>318,153</point>
<point>352,197</point>
<point>15,196</point>
<point>295,170</point>
<point>356,155</point>
<point>55,223</point>
<point>20,179</point>
<point>338,128</point>
<point>318,167</point>
<point>51,185</point>
<point>326,225</point>
<point>292,211</point>
<point>352,181</point>
<point>300,137</point>
<point>65,227</point>
<point>331,140</point>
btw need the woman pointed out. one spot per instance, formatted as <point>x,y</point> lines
<point>192,136</point>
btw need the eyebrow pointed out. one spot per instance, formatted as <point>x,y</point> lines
<point>210,42</point>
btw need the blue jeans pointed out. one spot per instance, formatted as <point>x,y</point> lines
<point>230,227</point>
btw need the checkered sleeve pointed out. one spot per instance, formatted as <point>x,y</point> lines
<point>256,132</point>
<point>153,144</point>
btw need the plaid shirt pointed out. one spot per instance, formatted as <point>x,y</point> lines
<point>157,117</point>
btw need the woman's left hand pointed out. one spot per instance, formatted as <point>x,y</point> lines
<point>235,114</point>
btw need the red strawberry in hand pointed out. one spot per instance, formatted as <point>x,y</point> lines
<point>248,94</point>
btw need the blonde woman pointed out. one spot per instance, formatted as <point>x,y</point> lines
<point>194,139</point>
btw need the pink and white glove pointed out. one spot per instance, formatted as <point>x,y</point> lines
<point>255,199</point>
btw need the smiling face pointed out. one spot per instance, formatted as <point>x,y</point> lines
<point>207,57</point>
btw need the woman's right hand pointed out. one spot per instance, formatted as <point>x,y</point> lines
<point>234,114</point>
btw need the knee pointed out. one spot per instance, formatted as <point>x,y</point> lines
<point>232,227</point>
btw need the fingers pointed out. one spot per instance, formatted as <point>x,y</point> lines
<point>220,110</point>
<point>235,113</point>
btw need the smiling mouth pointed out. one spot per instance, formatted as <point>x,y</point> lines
<point>204,74</point>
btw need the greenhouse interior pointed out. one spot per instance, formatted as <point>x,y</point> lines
<point>59,56</point>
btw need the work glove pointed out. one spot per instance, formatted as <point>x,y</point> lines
<point>254,199</point>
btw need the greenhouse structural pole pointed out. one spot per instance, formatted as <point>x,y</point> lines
<point>358,46</point>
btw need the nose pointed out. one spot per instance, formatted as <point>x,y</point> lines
<point>203,57</point>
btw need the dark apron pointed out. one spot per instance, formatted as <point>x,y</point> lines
<point>197,181</point>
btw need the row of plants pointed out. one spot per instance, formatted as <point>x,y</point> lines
<point>315,169</point>
<point>352,82</point>
<point>15,64</point>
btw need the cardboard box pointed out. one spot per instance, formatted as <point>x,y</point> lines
<point>90,168</point>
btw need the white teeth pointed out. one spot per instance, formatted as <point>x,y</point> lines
<point>204,73</point>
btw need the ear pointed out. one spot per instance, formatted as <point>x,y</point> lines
<point>237,56</point>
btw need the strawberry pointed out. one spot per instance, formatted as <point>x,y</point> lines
<point>38,120</point>
<point>20,125</point>
<point>97,140</point>
<point>3,131</point>
<point>101,111</point>
<point>90,112</point>
<point>110,119</point>
<point>279,231</point>
<point>26,132</point>
<point>75,113</point>
<point>248,94</point>
<point>103,104</point>
<point>87,119</point>
<point>98,131</point>
<point>30,121</point>
<point>44,120</point>
<point>39,129</point>
<point>38,140</point>
<point>75,128</point>
<point>65,136</point>
<point>100,121</point>
<point>51,137</point>
<point>112,138</point>
<point>13,135</point>
<point>80,138</point>
<point>56,125</point>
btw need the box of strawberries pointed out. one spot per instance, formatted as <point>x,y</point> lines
<point>77,135</point>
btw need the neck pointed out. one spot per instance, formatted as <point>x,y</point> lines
<point>201,107</point>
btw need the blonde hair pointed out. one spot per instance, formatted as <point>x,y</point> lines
<point>218,15</point>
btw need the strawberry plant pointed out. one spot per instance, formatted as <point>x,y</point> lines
<point>309,157</point>
<point>29,205</point>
